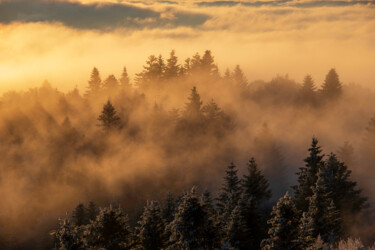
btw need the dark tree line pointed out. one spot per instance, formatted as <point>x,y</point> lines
<point>237,219</point>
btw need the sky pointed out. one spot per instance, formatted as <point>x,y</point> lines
<point>61,41</point>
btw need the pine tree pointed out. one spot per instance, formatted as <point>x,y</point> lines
<point>254,184</point>
<point>239,77</point>
<point>79,215</point>
<point>307,93</point>
<point>333,226</point>
<point>191,226</point>
<point>110,230</point>
<point>307,176</point>
<point>172,68</point>
<point>92,211</point>
<point>331,88</point>
<point>306,231</point>
<point>124,79</point>
<point>152,72</point>
<point>150,230</point>
<point>208,66</point>
<point>283,233</point>
<point>111,83</point>
<point>69,236</point>
<point>230,193</point>
<point>94,82</point>
<point>193,110</point>
<point>335,178</point>
<point>109,118</point>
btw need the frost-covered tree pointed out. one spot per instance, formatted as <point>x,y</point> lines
<point>110,230</point>
<point>307,176</point>
<point>109,118</point>
<point>191,227</point>
<point>283,233</point>
<point>150,229</point>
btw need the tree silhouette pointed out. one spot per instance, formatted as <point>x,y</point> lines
<point>124,79</point>
<point>94,82</point>
<point>331,88</point>
<point>172,68</point>
<point>109,119</point>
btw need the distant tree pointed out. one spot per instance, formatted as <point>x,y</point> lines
<point>227,75</point>
<point>150,229</point>
<point>193,109</point>
<point>124,79</point>
<point>254,184</point>
<point>217,122</point>
<point>307,176</point>
<point>230,193</point>
<point>152,72</point>
<point>195,63</point>
<point>239,77</point>
<point>94,82</point>
<point>208,65</point>
<point>111,83</point>
<point>169,208</point>
<point>346,154</point>
<point>79,216</point>
<point>172,68</point>
<point>109,118</point>
<point>331,88</point>
<point>110,230</point>
<point>307,93</point>
<point>283,233</point>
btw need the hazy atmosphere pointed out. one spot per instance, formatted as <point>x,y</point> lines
<point>187,124</point>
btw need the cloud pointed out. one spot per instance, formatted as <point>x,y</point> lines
<point>106,16</point>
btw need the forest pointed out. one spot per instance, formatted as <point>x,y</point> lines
<point>186,156</point>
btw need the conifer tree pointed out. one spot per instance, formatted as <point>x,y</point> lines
<point>193,110</point>
<point>94,82</point>
<point>109,118</point>
<point>230,192</point>
<point>306,231</point>
<point>346,154</point>
<point>172,68</point>
<point>254,184</point>
<point>208,66</point>
<point>191,226</point>
<point>283,233</point>
<point>111,83</point>
<point>69,236</point>
<point>307,93</point>
<point>79,215</point>
<point>150,230</point>
<point>124,79</point>
<point>92,211</point>
<point>110,230</point>
<point>169,208</point>
<point>239,77</point>
<point>307,176</point>
<point>331,88</point>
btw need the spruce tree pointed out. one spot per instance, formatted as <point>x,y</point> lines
<point>109,118</point>
<point>283,233</point>
<point>307,176</point>
<point>124,79</point>
<point>191,226</point>
<point>111,83</point>
<point>110,230</point>
<point>150,229</point>
<point>92,211</point>
<point>331,88</point>
<point>307,93</point>
<point>239,77</point>
<point>254,184</point>
<point>69,236</point>
<point>230,192</point>
<point>193,109</point>
<point>79,216</point>
<point>94,82</point>
<point>306,231</point>
<point>172,68</point>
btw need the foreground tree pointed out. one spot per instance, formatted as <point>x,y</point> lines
<point>283,233</point>
<point>307,176</point>
<point>109,119</point>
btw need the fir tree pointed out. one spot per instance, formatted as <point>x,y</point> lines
<point>307,93</point>
<point>94,82</point>
<point>79,215</point>
<point>283,233</point>
<point>239,77</point>
<point>208,66</point>
<point>230,192</point>
<point>150,230</point>
<point>124,79</point>
<point>92,211</point>
<point>306,231</point>
<point>193,110</point>
<point>110,230</point>
<point>307,176</point>
<point>191,226</point>
<point>172,68</point>
<point>109,118</point>
<point>69,236</point>
<point>111,83</point>
<point>254,184</point>
<point>331,88</point>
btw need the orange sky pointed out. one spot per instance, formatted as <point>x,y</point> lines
<point>265,40</point>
